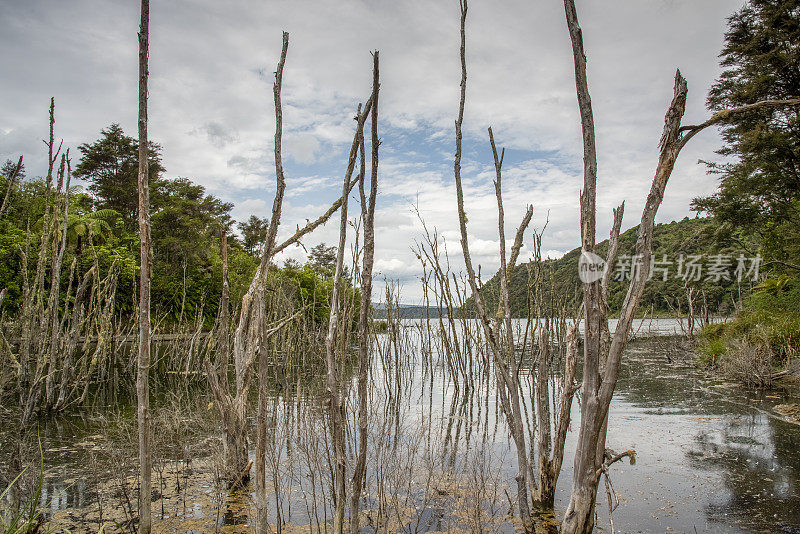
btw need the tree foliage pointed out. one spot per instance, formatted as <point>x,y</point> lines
<point>686,238</point>
<point>187,226</point>
<point>254,233</point>
<point>111,166</point>
<point>759,192</point>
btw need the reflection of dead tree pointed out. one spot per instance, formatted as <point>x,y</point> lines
<point>601,360</point>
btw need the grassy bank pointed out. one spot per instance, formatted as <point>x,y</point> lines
<point>759,346</point>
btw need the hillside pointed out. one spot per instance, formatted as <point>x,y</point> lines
<point>686,237</point>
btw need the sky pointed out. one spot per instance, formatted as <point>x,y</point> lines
<point>211,106</point>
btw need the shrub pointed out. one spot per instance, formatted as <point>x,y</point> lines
<point>762,337</point>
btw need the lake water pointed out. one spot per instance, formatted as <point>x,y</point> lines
<point>710,457</point>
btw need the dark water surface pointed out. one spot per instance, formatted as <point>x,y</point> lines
<point>710,457</point>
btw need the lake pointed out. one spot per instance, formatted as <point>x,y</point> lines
<point>710,456</point>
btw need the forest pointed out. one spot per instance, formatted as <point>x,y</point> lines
<point>161,370</point>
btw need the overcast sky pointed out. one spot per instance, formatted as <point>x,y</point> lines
<point>211,109</point>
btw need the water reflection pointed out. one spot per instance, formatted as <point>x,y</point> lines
<point>724,462</point>
<point>709,458</point>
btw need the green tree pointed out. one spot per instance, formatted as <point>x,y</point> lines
<point>111,165</point>
<point>186,226</point>
<point>254,233</point>
<point>184,219</point>
<point>759,192</point>
<point>323,258</point>
<point>8,169</point>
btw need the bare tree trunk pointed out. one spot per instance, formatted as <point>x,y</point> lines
<point>551,470</point>
<point>262,525</point>
<point>502,350</point>
<point>546,492</point>
<point>602,359</point>
<point>30,368</point>
<point>368,216</point>
<point>224,314</point>
<point>12,180</point>
<point>233,420</point>
<point>55,289</point>
<point>333,379</point>
<point>335,402</point>
<point>247,339</point>
<point>143,362</point>
<point>505,359</point>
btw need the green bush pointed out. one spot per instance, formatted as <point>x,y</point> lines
<point>768,327</point>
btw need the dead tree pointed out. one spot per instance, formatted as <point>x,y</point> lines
<point>335,404</point>
<point>143,360</point>
<point>11,182</point>
<point>551,335</point>
<point>55,287</point>
<point>500,335</point>
<point>364,337</point>
<point>252,334</point>
<point>33,312</point>
<point>602,359</point>
<point>335,400</point>
<point>550,442</point>
<point>232,405</point>
<point>259,301</point>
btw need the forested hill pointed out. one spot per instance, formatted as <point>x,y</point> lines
<point>678,241</point>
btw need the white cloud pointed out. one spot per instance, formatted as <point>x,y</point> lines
<point>211,102</point>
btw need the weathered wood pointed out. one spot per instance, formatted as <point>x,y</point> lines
<point>143,360</point>
<point>613,248</point>
<point>602,356</point>
<point>55,290</point>
<point>31,319</point>
<point>580,513</point>
<point>506,360</point>
<point>335,402</point>
<point>502,350</point>
<point>364,337</point>
<point>262,521</point>
<point>12,180</point>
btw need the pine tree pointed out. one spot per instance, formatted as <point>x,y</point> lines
<point>759,192</point>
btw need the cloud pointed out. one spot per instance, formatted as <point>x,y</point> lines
<point>211,103</point>
<point>218,135</point>
<point>303,147</point>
